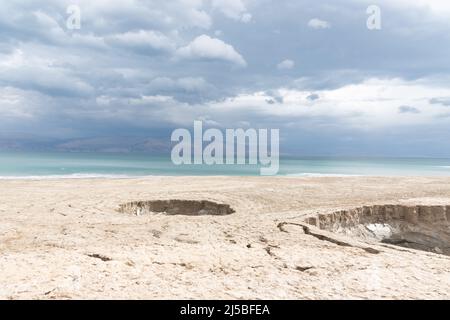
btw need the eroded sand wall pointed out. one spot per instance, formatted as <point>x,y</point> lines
<point>420,227</point>
<point>426,215</point>
<point>175,207</point>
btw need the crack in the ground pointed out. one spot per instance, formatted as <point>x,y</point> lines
<point>179,264</point>
<point>100,256</point>
<point>303,269</point>
<point>307,231</point>
<point>269,251</point>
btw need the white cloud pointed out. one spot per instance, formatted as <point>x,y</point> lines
<point>142,39</point>
<point>286,65</point>
<point>437,7</point>
<point>107,15</point>
<point>233,9</point>
<point>31,72</point>
<point>372,104</point>
<point>192,84</point>
<point>318,24</point>
<point>188,84</point>
<point>205,47</point>
<point>17,103</point>
<point>246,17</point>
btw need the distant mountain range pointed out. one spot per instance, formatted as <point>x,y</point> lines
<point>98,144</point>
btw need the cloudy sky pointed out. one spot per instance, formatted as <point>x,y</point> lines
<point>311,68</point>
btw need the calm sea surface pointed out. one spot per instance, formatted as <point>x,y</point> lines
<point>79,165</point>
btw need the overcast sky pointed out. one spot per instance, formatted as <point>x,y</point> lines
<point>310,68</point>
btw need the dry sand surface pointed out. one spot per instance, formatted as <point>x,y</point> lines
<point>67,239</point>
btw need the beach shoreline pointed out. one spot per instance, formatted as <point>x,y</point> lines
<point>66,239</point>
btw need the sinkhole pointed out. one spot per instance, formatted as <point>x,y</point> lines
<point>425,228</point>
<point>177,207</point>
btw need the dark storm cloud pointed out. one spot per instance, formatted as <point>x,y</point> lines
<point>139,65</point>
<point>313,97</point>
<point>408,109</point>
<point>441,101</point>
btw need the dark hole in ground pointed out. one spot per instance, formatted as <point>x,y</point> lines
<point>424,228</point>
<point>177,207</point>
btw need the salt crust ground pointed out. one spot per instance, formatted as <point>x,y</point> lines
<point>66,239</point>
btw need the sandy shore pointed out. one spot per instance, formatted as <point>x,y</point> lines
<point>64,239</point>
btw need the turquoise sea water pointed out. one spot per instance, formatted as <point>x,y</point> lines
<point>79,165</point>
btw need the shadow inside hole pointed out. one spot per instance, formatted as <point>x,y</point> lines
<point>425,228</point>
<point>177,207</point>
